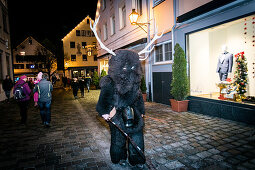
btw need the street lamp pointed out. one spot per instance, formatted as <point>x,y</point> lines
<point>133,17</point>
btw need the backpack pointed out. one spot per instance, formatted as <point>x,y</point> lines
<point>19,92</point>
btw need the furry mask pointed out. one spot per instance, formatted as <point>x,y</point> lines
<point>125,70</point>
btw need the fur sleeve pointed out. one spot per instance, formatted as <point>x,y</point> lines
<point>105,101</point>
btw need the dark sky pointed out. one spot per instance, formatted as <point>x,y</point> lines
<point>51,19</point>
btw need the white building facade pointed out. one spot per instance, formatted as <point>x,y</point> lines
<point>5,46</point>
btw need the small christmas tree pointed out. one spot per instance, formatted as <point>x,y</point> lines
<point>180,86</point>
<point>241,75</point>
<point>95,79</point>
<point>143,85</point>
<point>103,73</point>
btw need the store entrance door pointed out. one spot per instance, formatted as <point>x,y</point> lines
<point>161,87</point>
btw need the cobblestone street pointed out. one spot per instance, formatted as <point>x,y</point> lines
<point>79,139</point>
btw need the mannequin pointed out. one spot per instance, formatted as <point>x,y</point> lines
<point>225,63</point>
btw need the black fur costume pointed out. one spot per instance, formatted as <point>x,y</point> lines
<point>119,89</point>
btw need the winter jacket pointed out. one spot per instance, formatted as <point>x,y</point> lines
<point>75,86</point>
<point>82,83</point>
<point>44,89</point>
<point>7,84</point>
<point>26,89</point>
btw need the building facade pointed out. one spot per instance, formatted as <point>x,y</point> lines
<point>116,32</point>
<point>207,31</point>
<point>80,55</point>
<point>31,57</point>
<point>5,46</point>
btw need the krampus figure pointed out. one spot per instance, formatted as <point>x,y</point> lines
<point>120,91</point>
<point>121,102</point>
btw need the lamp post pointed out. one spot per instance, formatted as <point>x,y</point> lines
<point>133,17</point>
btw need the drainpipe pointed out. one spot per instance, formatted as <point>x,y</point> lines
<point>173,28</point>
<point>149,57</point>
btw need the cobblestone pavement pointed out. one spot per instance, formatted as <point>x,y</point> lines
<point>79,139</point>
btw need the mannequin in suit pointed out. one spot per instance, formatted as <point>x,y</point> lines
<point>225,63</point>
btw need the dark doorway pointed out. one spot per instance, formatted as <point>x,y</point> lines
<point>161,87</point>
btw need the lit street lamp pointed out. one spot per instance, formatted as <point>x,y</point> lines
<point>133,17</point>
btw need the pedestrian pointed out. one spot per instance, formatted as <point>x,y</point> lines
<point>121,104</point>
<point>75,87</point>
<point>88,81</point>
<point>44,89</point>
<point>7,86</point>
<point>21,93</point>
<point>82,86</point>
<point>36,95</point>
<point>64,80</point>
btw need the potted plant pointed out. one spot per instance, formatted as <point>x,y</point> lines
<point>179,85</point>
<point>143,89</point>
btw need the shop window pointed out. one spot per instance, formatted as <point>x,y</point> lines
<point>73,57</point>
<point>78,32</point>
<point>212,63</point>
<point>84,57</point>
<point>72,44</point>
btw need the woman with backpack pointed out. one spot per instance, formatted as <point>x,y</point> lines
<point>21,93</point>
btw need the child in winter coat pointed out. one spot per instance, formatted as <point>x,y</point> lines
<point>36,95</point>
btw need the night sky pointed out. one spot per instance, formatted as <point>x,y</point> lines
<point>47,18</point>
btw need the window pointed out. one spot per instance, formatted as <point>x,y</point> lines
<point>88,33</point>
<point>87,21</point>
<point>73,57</point>
<point>30,42</point>
<point>137,4</point>
<point>157,2</point>
<point>4,22</point>
<point>159,53</point>
<point>83,33</point>
<point>122,16</point>
<point>18,66</point>
<point>168,51</point>
<point>84,57</point>
<point>1,66</point>
<point>112,23</point>
<point>103,2</point>
<point>95,57</point>
<point>83,44</point>
<point>78,33</point>
<point>72,44</point>
<point>163,52</point>
<point>105,31</point>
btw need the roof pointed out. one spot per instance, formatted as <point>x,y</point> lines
<point>36,41</point>
<point>84,20</point>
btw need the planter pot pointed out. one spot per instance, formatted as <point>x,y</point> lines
<point>179,106</point>
<point>144,97</point>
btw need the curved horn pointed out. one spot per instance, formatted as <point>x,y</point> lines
<point>145,50</point>
<point>98,39</point>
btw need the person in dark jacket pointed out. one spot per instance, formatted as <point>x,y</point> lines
<point>7,87</point>
<point>75,87</point>
<point>88,81</point>
<point>82,86</point>
<point>120,95</point>
<point>44,89</point>
<point>23,103</point>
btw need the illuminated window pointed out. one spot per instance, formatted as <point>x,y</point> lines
<point>22,53</point>
<point>73,57</point>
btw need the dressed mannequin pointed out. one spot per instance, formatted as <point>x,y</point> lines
<point>225,63</point>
